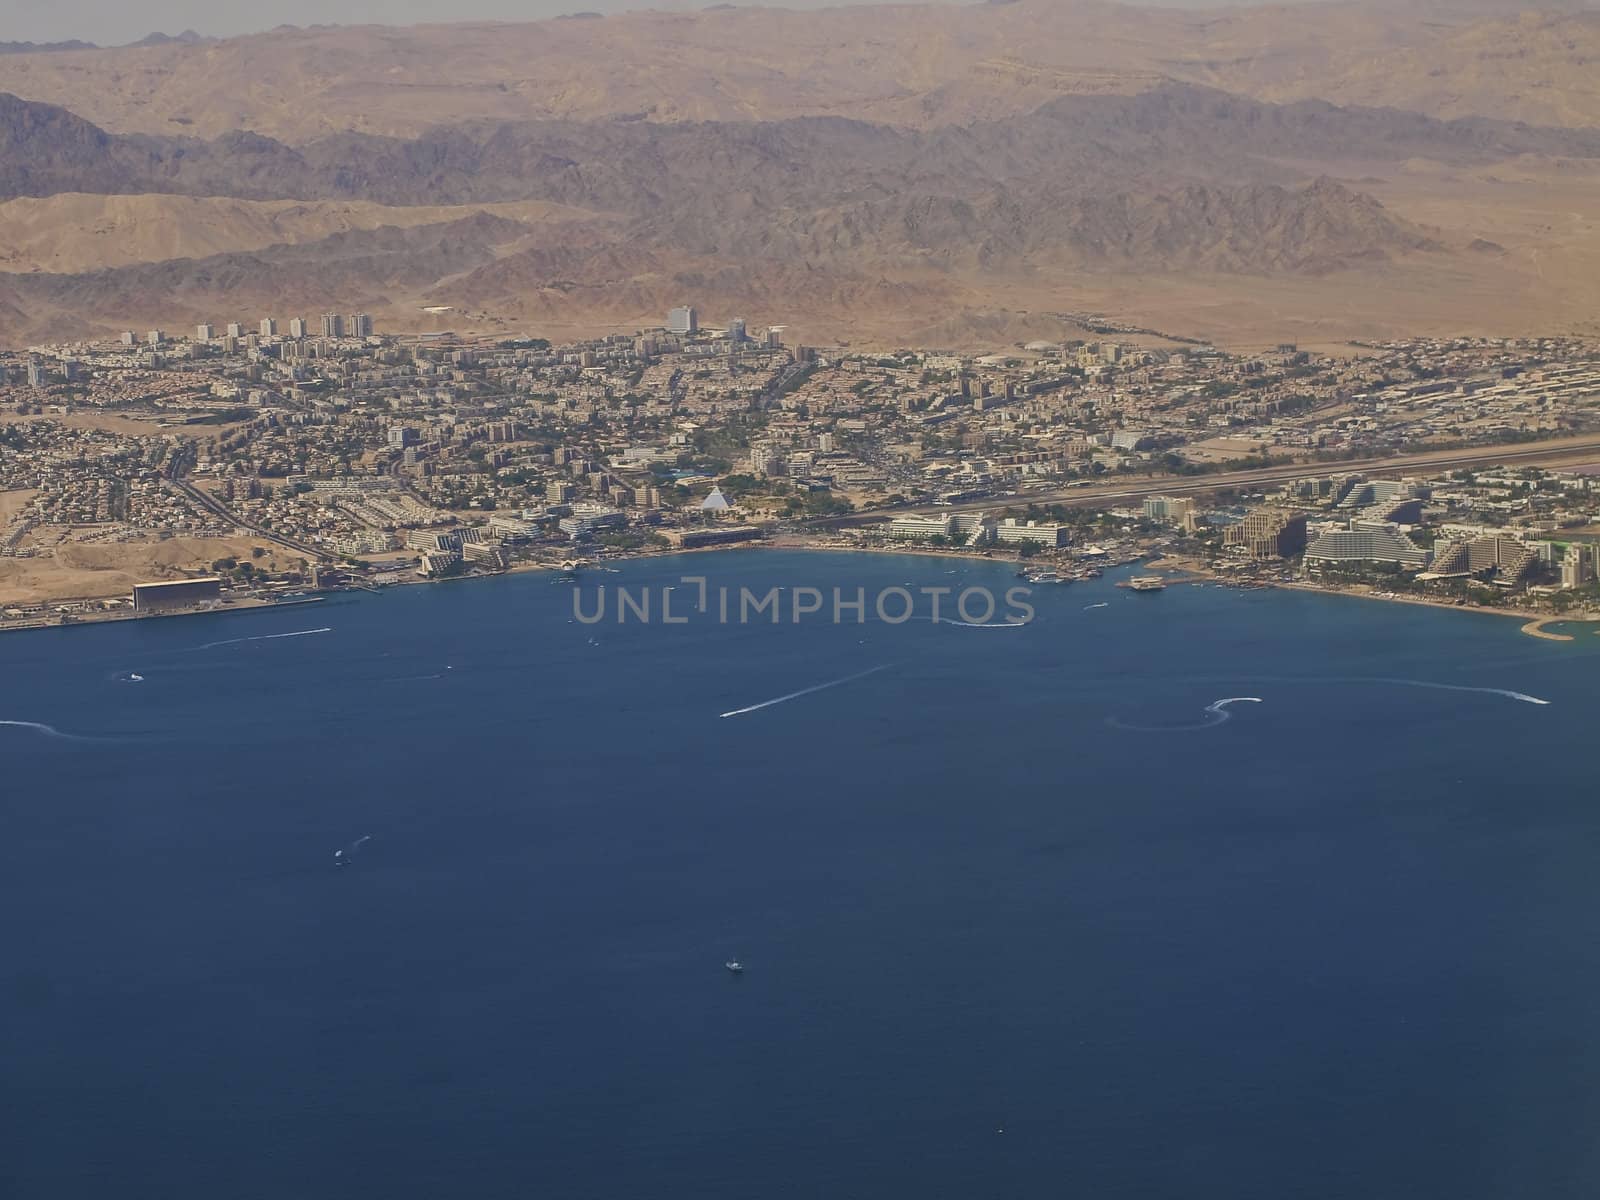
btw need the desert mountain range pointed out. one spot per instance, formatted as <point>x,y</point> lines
<point>942,173</point>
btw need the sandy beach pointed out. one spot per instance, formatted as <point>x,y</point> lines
<point>1534,624</point>
<point>1536,628</point>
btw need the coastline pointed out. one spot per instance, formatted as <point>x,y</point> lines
<point>1536,628</point>
<point>1179,570</point>
<point>1533,623</point>
<point>247,605</point>
<point>903,551</point>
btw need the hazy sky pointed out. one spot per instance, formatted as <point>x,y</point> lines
<point>113,22</point>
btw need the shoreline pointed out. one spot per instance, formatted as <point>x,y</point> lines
<point>248,605</point>
<point>1180,572</point>
<point>1533,623</point>
<point>899,551</point>
<point>1536,628</point>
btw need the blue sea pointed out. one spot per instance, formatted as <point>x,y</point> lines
<point>429,894</point>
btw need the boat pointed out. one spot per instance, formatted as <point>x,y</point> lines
<point>734,966</point>
<point>1043,577</point>
<point>1147,583</point>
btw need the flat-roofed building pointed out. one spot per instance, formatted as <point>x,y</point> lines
<point>911,528</point>
<point>586,518</point>
<point>488,554</point>
<point>512,529</point>
<point>1168,508</point>
<point>431,540</point>
<point>1269,533</point>
<point>177,594</point>
<point>717,535</point>
<point>1577,565</point>
<point>1011,532</point>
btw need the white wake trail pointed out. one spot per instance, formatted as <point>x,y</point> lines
<point>1216,714</point>
<point>265,637</point>
<point>46,730</point>
<point>1431,685</point>
<point>1522,697</point>
<point>341,857</point>
<point>984,624</point>
<point>820,687</point>
<point>1217,706</point>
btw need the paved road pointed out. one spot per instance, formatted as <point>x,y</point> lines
<point>178,466</point>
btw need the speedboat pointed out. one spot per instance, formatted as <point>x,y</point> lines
<point>734,966</point>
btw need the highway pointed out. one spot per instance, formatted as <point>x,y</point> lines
<point>178,466</point>
<point>1103,495</point>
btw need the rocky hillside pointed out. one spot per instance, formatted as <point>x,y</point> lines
<point>606,220</point>
<point>1083,143</point>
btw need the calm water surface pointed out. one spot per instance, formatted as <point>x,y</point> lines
<point>1021,915</point>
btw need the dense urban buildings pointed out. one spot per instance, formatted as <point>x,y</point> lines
<point>325,449</point>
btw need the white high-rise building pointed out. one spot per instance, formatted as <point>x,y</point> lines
<point>204,332</point>
<point>297,327</point>
<point>235,329</point>
<point>736,329</point>
<point>1168,508</point>
<point>269,327</point>
<point>765,461</point>
<point>1577,566</point>
<point>683,319</point>
<point>332,325</point>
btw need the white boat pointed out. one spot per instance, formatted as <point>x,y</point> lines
<point>734,966</point>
